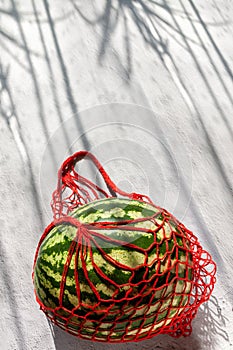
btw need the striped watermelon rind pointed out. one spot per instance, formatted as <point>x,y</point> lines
<point>139,304</point>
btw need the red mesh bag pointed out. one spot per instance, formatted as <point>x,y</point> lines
<point>114,267</point>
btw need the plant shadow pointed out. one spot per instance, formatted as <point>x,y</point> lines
<point>158,23</point>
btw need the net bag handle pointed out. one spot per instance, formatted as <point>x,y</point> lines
<point>82,189</point>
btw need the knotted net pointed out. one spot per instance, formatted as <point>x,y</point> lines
<point>117,270</point>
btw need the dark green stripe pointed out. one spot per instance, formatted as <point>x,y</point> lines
<point>107,204</point>
<point>60,246</point>
<point>48,278</point>
<point>48,295</point>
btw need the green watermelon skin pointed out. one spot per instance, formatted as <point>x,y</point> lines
<point>113,303</point>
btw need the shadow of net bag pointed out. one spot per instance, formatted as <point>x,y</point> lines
<point>114,267</point>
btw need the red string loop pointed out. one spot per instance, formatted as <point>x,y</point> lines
<point>82,190</point>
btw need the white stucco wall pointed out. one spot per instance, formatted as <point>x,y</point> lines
<point>147,87</point>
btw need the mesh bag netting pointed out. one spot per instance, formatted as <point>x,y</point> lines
<point>114,267</point>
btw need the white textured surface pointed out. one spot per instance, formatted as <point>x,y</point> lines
<point>59,63</point>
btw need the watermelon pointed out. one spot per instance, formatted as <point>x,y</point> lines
<point>122,282</point>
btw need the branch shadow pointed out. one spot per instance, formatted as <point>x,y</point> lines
<point>33,74</point>
<point>9,113</point>
<point>213,42</point>
<point>135,10</point>
<point>204,46</point>
<point>141,13</point>
<point>9,38</point>
<point>199,66</point>
<point>29,66</point>
<point>214,152</point>
<point>66,79</point>
<point>51,76</point>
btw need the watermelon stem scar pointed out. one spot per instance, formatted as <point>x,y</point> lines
<point>114,267</point>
